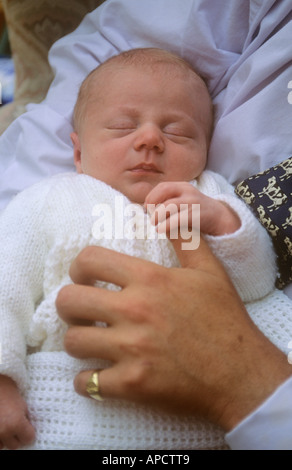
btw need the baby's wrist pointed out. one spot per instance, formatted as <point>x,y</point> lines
<point>227,221</point>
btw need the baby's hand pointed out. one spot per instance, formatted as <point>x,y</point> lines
<point>15,428</point>
<point>216,218</point>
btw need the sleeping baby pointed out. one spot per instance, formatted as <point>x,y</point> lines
<point>142,125</point>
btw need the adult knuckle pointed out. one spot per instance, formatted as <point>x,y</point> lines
<point>144,312</point>
<point>137,310</point>
<point>136,344</point>
<point>135,378</point>
<point>152,274</point>
<point>133,307</point>
<point>145,272</point>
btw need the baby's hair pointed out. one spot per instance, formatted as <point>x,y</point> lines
<point>149,58</point>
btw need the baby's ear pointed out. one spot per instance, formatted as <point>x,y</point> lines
<point>77,151</point>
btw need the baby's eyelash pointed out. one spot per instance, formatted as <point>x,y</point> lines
<point>121,123</point>
<point>121,126</point>
<point>178,130</point>
<point>180,134</point>
<point>174,132</point>
<point>120,131</point>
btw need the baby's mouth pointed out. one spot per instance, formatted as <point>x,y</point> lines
<point>145,168</point>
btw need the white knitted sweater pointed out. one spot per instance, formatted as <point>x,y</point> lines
<point>41,232</point>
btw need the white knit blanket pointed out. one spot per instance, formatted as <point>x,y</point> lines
<point>65,420</point>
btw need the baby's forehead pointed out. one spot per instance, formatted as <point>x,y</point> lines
<point>112,73</point>
<point>163,71</point>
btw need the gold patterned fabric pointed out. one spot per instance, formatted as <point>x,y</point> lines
<point>33,26</point>
<point>269,194</point>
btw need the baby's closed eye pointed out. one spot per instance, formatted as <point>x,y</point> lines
<point>179,130</point>
<point>121,124</point>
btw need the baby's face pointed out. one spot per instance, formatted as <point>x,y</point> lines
<point>141,129</point>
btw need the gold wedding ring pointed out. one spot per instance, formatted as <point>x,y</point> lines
<point>92,387</point>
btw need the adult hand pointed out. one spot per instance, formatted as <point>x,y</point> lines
<point>177,338</point>
<point>15,428</point>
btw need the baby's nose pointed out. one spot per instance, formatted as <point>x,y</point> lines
<point>149,137</point>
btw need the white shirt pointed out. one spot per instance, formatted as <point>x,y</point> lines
<point>269,427</point>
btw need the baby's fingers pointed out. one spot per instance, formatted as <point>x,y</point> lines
<point>174,218</point>
<point>163,212</point>
<point>166,190</point>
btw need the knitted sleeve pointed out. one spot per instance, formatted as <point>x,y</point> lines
<point>22,254</point>
<point>247,254</point>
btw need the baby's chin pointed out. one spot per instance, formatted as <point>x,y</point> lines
<point>137,192</point>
